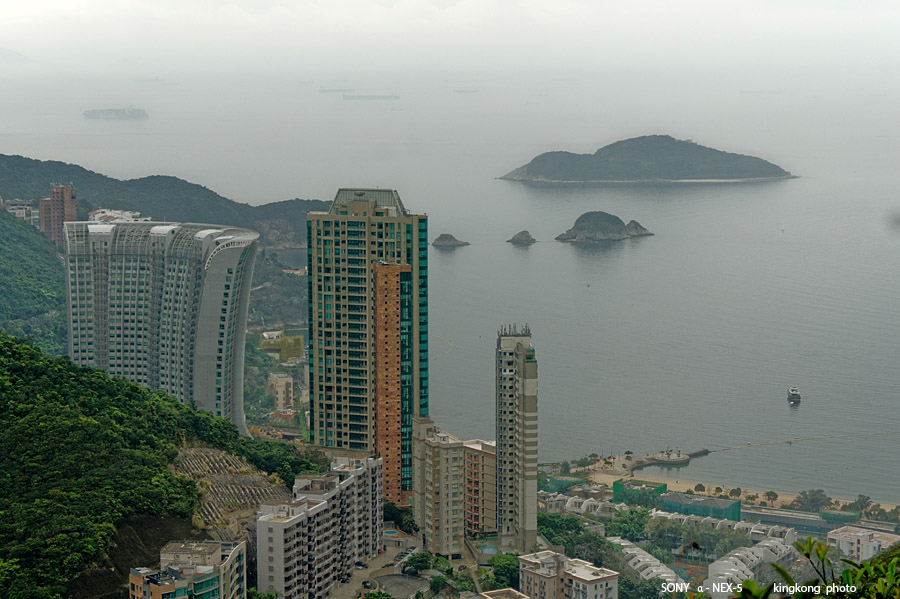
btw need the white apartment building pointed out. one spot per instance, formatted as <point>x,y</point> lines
<point>860,543</point>
<point>308,545</point>
<point>551,575</point>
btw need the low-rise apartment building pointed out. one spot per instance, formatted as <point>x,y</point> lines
<point>860,543</point>
<point>551,575</point>
<point>193,570</point>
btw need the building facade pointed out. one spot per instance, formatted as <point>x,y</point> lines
<point>481,486</point>
<point>164,306</point>
<point>280,385</point>
<point>59,208</point>
<point>306,546</point>
<point>454,487</point>
<point>368,322</point>
<point>23,209</point>
<point>107,215</point>
<point>517,438</point>
<point>551,575</point>
<point>860,543</point>
<point>193,570</point>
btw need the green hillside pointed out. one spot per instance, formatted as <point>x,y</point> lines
<point>280,224</point>
<point>81,452</point>
<point>32,286</point>
<point>648,158</point>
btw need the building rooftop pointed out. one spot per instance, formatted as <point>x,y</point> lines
<point>285,512</point>
<point>687,499</point>
<point>199,548</point>
<point>587,571</point>
<point>383,198</point>
<point>486,446</point>
<point>864,533</point>
<point>507,593</point>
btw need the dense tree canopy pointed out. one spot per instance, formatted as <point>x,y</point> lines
<point>81,450</point>
<point>32,286</point>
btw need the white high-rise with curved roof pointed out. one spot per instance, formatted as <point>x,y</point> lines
<point>163,305</point>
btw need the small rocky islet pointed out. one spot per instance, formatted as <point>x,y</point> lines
<point>522,238</point>
<point>448,241</point>
<point>599,227</point>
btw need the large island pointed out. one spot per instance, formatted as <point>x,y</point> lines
<point>652,158</point>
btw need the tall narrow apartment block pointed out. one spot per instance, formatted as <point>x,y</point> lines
<point>59,208</point>
<point>163,305</point>
<point>517,438</point>
<point>368,321</point>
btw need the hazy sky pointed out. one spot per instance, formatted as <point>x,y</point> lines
<point>167,35</point>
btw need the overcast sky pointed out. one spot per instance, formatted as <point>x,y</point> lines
<point>166,35</point>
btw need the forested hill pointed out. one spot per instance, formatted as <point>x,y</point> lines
<point>81,451</point>
<point>280,224</point>
<point>32,285</point>
<point>648,158</point>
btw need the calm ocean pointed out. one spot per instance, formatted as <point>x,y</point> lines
<point>687,339</point>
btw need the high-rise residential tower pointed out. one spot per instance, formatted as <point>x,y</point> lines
<point>517,438</point>
<point>368,323</point>
<point>59,208</point>
<point>163,305</point>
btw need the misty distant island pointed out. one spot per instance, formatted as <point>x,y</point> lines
<point>648,159</point>
<point>599,227</point>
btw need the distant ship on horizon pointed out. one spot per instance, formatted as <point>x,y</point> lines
<point>117,114</point>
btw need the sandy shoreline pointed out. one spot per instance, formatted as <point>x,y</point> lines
<point>679,485</point>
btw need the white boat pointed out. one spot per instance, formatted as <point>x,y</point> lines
<point>793,395</point>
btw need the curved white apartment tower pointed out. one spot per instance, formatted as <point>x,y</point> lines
<point>163,305</point>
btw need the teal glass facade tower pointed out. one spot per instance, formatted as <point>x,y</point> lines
<point>365,227</point>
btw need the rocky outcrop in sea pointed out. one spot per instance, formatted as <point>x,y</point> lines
<point>592,227</point>
<point>522,238</point>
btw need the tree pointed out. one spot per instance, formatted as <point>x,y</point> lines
<point>699,488</point>
<point>729,540</point>
<point>736,492</point>
<point>861,504</point>
<point>420,561</point>
<point>437,583</point>
<point>718,490</point>
<point>875,579</point>
<point>665,533</point>
<point>486,579</point>
<point>372,595</point>
<point>402,517</point>
<point>812,500</point>
<point>771,496</point>
<point>252,593</point>
<point>441,564</point>
<point>631,587</point>
<point>565,468</point>
<point>631,524</point>
<point>506,570</point>
<point>593,456</point>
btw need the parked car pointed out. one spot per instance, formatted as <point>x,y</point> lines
<point>368,585</point>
